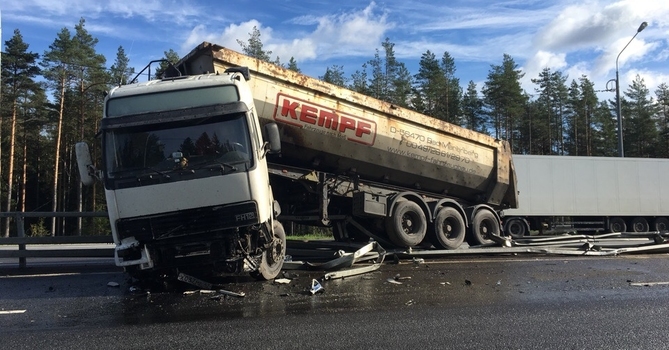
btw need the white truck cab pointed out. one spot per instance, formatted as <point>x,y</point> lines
<point>185,176</point>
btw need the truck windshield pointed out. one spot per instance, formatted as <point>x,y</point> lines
<point>211,143</point>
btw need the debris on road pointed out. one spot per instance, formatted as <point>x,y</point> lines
<point>113,284</point>
<point>232,294</point>
<point>282,281</point>
<point>648,284</point>
<point>194,281</point>
<point>344,265</point>
<point>315,287</point>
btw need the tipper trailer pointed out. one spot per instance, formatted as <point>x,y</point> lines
<point>200,167</point>
<point>589,193</point>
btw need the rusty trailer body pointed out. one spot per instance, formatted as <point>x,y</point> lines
<point>399,154</point>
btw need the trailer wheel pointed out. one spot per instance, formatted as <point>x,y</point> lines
<point>449,229</point>
<point>272,258</point>
<point>617,224</point>
<point>661,224</point>
<point>484,224</point>
<point>407,225</point>
<point>516,228</point>
<point>639,224</point>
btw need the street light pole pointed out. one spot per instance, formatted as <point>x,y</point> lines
<point>621,151</point>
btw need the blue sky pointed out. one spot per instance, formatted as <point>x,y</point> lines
<point>574,36</point>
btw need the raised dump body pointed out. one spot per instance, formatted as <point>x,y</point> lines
<point>332,129</point>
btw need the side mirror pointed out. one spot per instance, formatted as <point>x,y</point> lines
<point>84,163</point>
<point>272,132</point>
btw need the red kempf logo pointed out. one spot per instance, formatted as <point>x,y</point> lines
<point>293,111</point>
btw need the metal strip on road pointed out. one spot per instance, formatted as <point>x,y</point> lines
<point>10,312</point>
<point>648,284</point>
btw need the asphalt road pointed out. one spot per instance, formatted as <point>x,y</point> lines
<point>504,302</point>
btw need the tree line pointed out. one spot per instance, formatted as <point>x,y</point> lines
<point>54,99</point>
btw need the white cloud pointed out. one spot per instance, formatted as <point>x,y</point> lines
<point>228,38</point>
<point>345,34</point>
<point>541,60</point>
<point>651,79</point>
<point>636,50</point>
<point>591,34</point>
<point>175,11</point>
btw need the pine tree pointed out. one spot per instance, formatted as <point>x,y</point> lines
<point>292,65</point>
<point>254,47</point>
<point>472,110</point>
<point>60,74</point>
<point>662,95</point>
<point>504,99</point>
<point>19,69</point>
<point>640,128</point>
<point>72,68</point>
<point>453,92</point>
<point>430,85</point>
<point>165,67</point>
<point>604,139</point>
<point>359,81</point>
<point>121,71</point>
<point>552,99</point>
<point>334,75</point>
<point>390,79</point>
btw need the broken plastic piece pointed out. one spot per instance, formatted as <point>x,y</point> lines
<point>113,284</point>
<point>351,272</point>
<point>315,287</point>
<point>282,281</point>
<point>232,294</point>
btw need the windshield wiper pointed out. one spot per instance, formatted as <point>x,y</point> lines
<point>161,173</point>
<point>219,165</point>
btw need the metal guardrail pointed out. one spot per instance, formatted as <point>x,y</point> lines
<point>22,241</point>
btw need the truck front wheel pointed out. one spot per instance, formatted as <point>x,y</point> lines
<point>407,225</point>
<point>272,258</point>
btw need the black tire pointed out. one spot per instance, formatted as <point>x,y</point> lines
<point>407,225</point>
<point>516,228</point>
<point>661,225</point>
<point>272,259</point>
<point>639,224</point>
<point>484,223</point>
<point>448,230</point>
<point>617,224</point>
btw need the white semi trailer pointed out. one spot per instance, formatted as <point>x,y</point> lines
<point>589,193</point>
<point>194,179</point>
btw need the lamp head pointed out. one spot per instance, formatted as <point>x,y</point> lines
<point>642,27</point>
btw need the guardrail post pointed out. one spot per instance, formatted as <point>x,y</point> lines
<point>20,232</point>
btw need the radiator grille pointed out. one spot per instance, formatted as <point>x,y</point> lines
<point>188,222</point>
